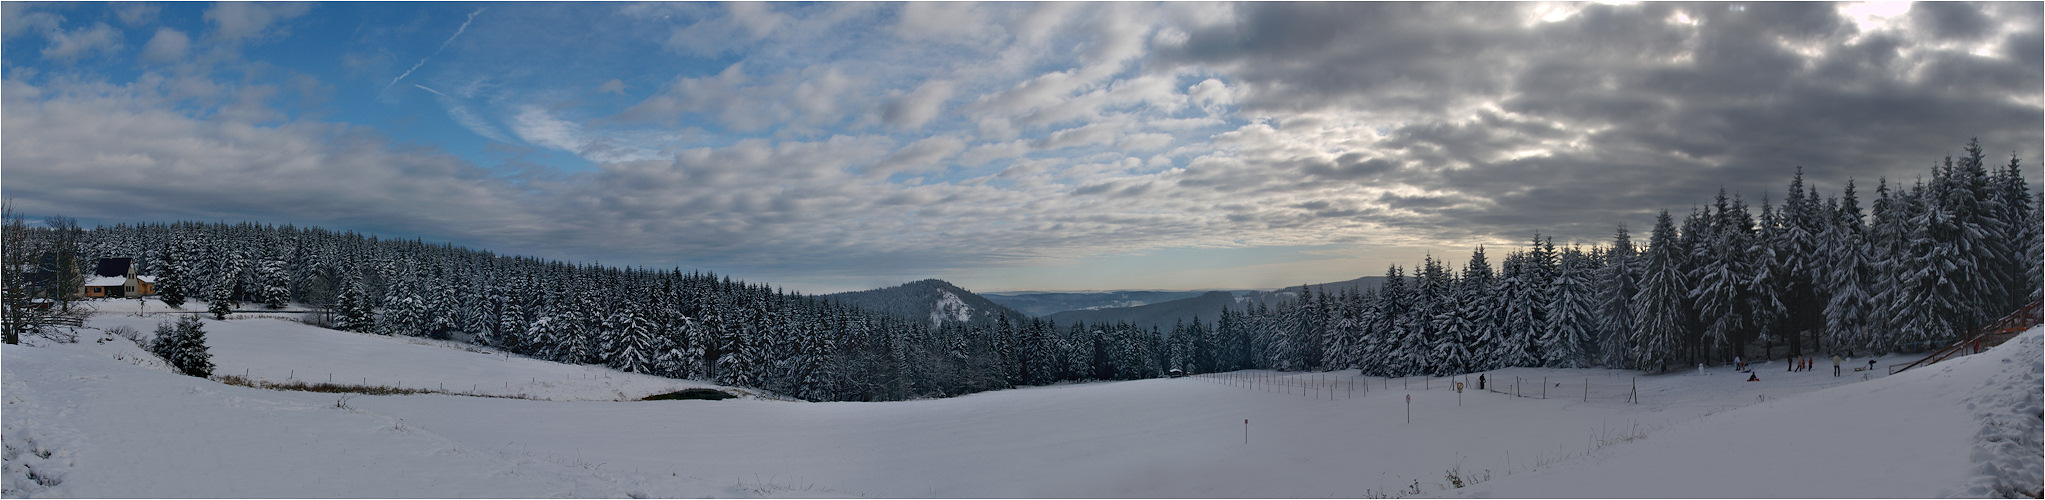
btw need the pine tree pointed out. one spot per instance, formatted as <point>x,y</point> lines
<point>219,302</point>
<point>1620,282</point>
<point>1658,309</point>
<point>1848,269</point>
<point>1570,322</point>
<point>170,279</point>
<point>1479,306</point>
<point>183,346</point>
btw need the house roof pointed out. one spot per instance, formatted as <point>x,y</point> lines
<point>117,266</point>
<point>107,281</point>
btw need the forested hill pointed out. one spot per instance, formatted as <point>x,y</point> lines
<point>1207,307</point>
<point>932,300</point>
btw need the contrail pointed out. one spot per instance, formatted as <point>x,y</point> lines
<point>435,92</point>
<point>443,46</point>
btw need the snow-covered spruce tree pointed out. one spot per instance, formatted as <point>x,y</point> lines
<point>170,279</point>
<point>1720,280</point>
<point>1620,280</point>
<point>2020,235</point>
<point>183,346</point>
<point>1390,325</point>
<point>1455,333</point>
<point>1798,306</point>
<point>1928,302</point>
<point>1888,232</point>
<point>220,301</point>
<point>1570,322</point>
<point>1658,310</point>
<point>635,349</point>
<point>1430,307</point>
<point>273,279</point>
<point>1519,322</point>
<point>1847,273</point>
<point>1479,307</point>
<point>351,309</point>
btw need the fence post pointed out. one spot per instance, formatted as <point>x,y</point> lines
<point>1544,387</point>
<point>1586,389</point>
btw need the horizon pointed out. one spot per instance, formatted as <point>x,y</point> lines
<point>1002,147</point>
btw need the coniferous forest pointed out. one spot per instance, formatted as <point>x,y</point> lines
<point>1924,262</point>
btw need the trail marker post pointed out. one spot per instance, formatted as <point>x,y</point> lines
<point>1246,431</point>
<point>1409,408</point>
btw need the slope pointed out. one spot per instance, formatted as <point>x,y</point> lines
<point>1972,423</point>
<point>107,428</point>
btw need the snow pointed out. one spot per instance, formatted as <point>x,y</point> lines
<point>124,427</point>
<point>950,307</point>
<point>106,281</point>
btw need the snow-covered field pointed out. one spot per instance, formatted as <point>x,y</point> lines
<point>96,419</point>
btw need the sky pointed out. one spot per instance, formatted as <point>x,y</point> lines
<point>828,147</point>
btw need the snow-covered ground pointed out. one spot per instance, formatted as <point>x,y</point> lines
<point>99,420</point>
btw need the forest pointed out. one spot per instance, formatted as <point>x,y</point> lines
<point>1925,263</point>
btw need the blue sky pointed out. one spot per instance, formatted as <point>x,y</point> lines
<point>1002,146</point>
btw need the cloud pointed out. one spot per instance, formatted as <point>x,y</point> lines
<point>169,45</point>
<point>137,13</point>
<point>178,167</point>
<point>69,46</point>
<point>757,17</point>
<point>944,21</point>
<point>910,112</point>
<point>921,156</point>
<point>852,140</point>
<point>235,21</point>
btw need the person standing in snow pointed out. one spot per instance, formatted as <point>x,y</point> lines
<point>1835,365</point>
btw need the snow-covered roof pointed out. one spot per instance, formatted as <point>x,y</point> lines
<point>106,281</point>
<point>145,278</point>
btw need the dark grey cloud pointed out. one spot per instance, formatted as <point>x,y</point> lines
<point>1571,127</point>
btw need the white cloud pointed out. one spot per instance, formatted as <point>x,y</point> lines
<point>912,111</point>
<point>69,46</point>
<point>241,20</point>
<point>536,126</point>
<point>757,17</point>
<point>169,45</point>
<point>468,118</point>
<point>944,21</point>
<point>926,155</point>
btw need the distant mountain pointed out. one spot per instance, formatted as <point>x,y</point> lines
<point>1363,284</point>
<point>934,300</point>
<point>1162,315</point>
<point>1206,306</point>
<point>1041,304</point>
